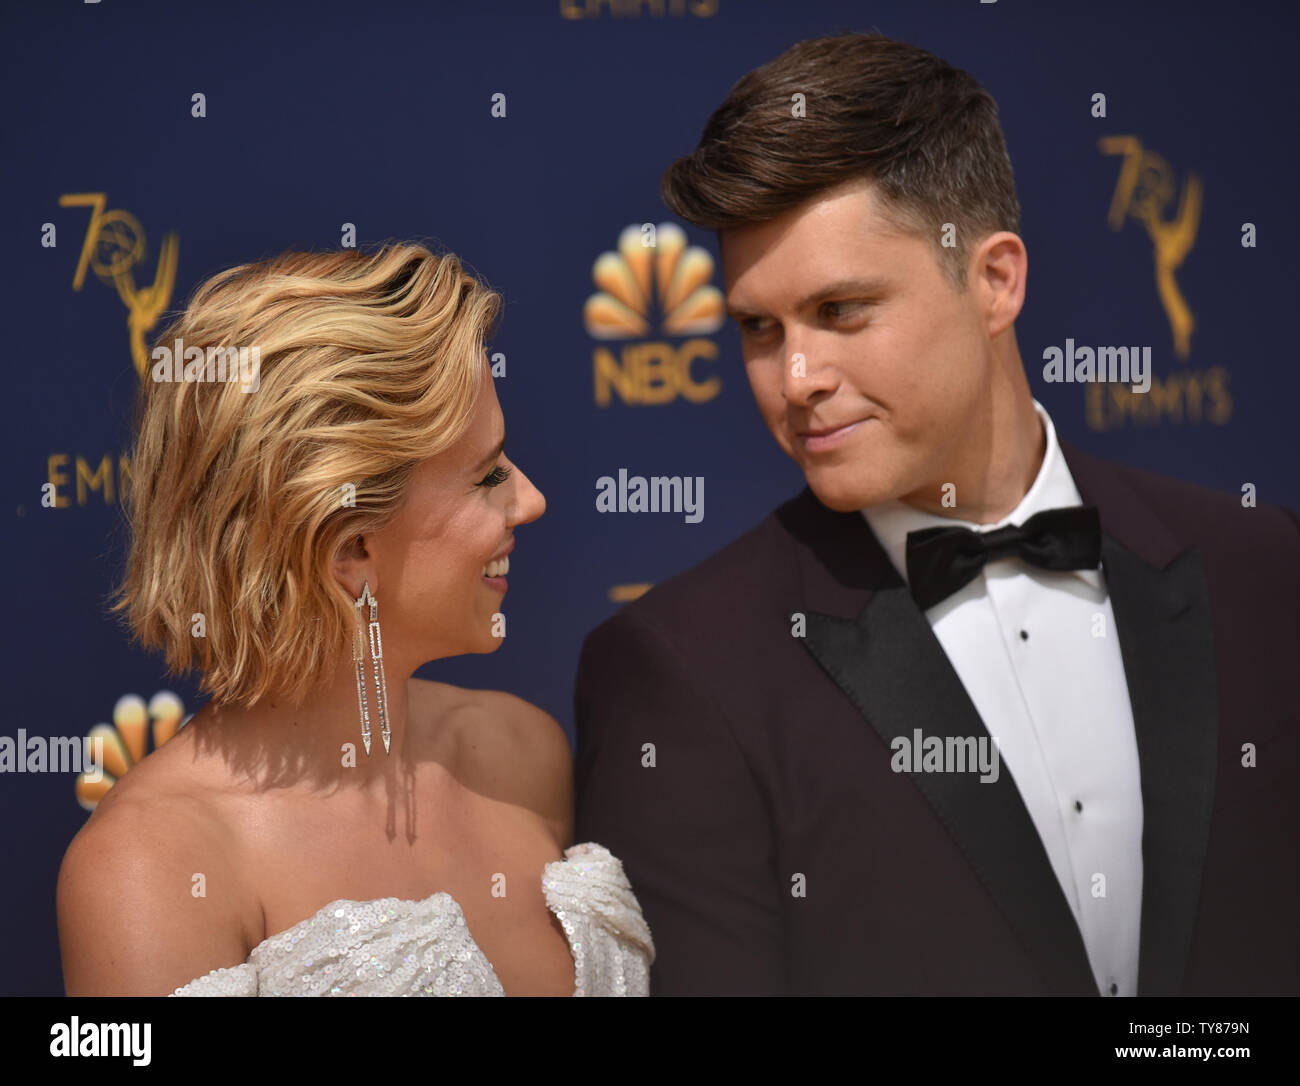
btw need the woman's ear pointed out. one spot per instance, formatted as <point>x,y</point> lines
<point>354,567</point>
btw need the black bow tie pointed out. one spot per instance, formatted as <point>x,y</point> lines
<point>942,560</point>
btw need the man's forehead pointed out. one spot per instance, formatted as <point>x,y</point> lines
<point>789,274</point>
<point>851,218</point>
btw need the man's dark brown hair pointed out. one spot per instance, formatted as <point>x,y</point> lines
<point>925,132</point>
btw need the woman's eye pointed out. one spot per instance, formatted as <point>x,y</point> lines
<point>747,325</point>
<point>496,476</point>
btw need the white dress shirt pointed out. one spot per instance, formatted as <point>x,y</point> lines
<point>1039,655</point>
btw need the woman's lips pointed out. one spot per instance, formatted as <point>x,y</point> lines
<point>823,442</point>
<point>500,566</point>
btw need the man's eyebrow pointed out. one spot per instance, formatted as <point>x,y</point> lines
<point>875,285</point>
<point>490,456</point>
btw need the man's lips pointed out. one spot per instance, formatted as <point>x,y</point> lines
<point>828,437</point>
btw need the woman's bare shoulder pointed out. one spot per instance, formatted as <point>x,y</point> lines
<point>514,740</point>
<point>152,866</point>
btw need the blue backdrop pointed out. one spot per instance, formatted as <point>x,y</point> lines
<point>380,115</point>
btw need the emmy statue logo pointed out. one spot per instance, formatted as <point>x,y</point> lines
<point>114,246</point>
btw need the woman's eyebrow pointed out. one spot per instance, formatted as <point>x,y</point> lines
<point>490,456</point>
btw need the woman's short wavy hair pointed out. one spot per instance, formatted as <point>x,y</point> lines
<point>239,501</point>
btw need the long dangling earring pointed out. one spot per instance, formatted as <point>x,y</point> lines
<point>377,655</point>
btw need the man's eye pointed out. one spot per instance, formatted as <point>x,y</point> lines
<point>757,326</point>
<point>496,476</point>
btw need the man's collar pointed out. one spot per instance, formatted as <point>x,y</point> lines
<point>1053,488</point>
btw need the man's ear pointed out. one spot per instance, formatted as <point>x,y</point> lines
<point>1002,265</point>
<point>354,567</point>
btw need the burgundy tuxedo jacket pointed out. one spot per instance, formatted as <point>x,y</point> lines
<point>727,762</point>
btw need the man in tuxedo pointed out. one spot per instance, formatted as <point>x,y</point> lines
<point>767,740</point>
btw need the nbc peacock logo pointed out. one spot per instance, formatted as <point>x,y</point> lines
<point>654,272</point>
<point>123,742</point>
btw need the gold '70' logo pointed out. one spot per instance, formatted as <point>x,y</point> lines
<point>114,245</point>
<point>1145,191</point>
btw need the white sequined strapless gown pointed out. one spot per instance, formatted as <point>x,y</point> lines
<point>391,947</point>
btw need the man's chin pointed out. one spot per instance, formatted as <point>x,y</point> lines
<point>845,492</point>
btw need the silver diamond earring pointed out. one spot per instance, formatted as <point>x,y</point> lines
<point>377,655</point>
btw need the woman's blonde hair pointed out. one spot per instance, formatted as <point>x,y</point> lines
<point>239,500</point>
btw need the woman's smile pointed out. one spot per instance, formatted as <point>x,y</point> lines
<point>495,569</point>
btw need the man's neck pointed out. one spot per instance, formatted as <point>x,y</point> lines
<point>983,487</point>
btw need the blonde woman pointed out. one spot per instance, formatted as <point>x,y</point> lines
<point>307,534</point>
